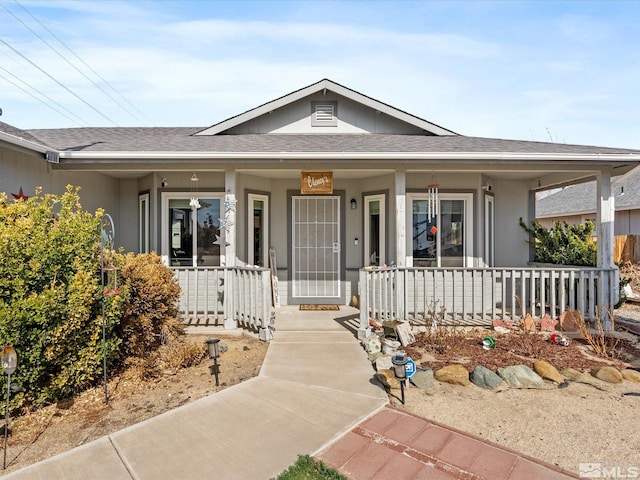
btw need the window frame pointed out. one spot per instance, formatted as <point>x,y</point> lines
<point>144,224</point>
<point>468,199</point>
<point>381,197</point>
<point>251,197</point>
<point>165,224</point>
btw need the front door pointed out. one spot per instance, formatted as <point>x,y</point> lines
<point>316,249</point>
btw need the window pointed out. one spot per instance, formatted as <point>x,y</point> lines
<point>442,240</point>
<point>375,229</point>
<point>258,229</point>
<point>191,237</point>
<point>324,114</point>
<point>143,218</point>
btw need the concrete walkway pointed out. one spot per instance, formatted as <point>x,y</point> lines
<point>314,395</point>
<point>315,385</point>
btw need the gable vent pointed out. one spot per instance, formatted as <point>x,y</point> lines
<point>324,114</point>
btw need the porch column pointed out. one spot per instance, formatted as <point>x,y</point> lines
<point>229,216</point>
<point>228,258</point>
<point>401,239</point>
<point>401,217</point>
<point>608,292</point>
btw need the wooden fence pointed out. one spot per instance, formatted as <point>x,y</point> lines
<point>626,248</point>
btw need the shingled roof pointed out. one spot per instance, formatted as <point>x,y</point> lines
<point>580,199</point>
<point>182,139</point>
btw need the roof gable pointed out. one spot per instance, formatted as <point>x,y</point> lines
<point>318,91</point>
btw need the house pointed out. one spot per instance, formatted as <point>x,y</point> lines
<point>576,204</point>
<point>341,195</point>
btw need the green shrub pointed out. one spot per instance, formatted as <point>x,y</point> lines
<point>50,297</point>
<point>563,244</point>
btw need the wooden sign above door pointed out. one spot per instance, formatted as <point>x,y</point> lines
<point>316,182</point>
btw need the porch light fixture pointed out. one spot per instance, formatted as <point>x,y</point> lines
<point>354,204</point>
<point>213,347</point>
<point>399,361</point>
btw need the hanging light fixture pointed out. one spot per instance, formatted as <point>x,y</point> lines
<point>194,203</point>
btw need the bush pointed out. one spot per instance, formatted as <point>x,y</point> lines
<point>563,244</point>
<point>50,297</point>
<point>150,316</point>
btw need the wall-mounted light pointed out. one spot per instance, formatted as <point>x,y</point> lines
<point>354,204</point>
<point>164,183</point>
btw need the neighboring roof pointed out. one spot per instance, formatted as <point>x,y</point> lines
<point>580,199</point>
<point>326,84</point>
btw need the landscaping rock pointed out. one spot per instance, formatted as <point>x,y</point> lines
<point>388,379</point>
<point>405,335</point>
<point>521,376</point>
<point>485,378</point>
<point>631,375</point>
<point>389,347</point>
<point>576,376</point>
<point>454,374</point>
<point>423,378</point>
<point>528,324</point>
<point>508,324</point>
<point>607,374</point>
<point>547,371</point>
<point>383,362</point>
<point>548,324</point>
<point>570,321</point>
<point>372,344</point>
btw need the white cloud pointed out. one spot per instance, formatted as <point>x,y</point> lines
<point>473,75</point>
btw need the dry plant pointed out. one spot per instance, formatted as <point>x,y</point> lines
<point>600,339</point>
<point>527,343</point>
<point>441,338</point>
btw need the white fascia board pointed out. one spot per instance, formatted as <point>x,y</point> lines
<point>453,156</point>
<point>263,109</point>
<point>334,87</point>
<point>22,143</point>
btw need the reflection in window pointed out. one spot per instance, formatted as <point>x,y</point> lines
<point>182,240</point>
<point>425,234</point>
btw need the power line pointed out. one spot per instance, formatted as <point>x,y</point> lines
<point>59,83</point>
<point>39,99</point>
<point>85,64</point>
<point>69,62</point>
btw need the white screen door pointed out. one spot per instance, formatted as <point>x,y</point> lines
<point>316,248</point>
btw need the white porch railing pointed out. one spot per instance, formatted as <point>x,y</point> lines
<point>226,296</point>
<point>476,296</point>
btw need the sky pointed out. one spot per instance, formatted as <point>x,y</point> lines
<point>564,72</point>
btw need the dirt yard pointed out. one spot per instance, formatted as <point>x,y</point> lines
<point>57,428</point>
<point>563,426</point>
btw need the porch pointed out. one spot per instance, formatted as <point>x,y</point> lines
<point>231,297</point>
<point>242,297</point>
<point>476,296</point>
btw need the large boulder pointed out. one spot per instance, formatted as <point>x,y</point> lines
<point>576,376</point>
<point>521,376</point>
<point>485,378</point>
<point>388,379</point>
<point>547,371</point>
<point>423,378</point>
<point>607,374</point>
<point>631,375</point>
<point>454,374</point>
